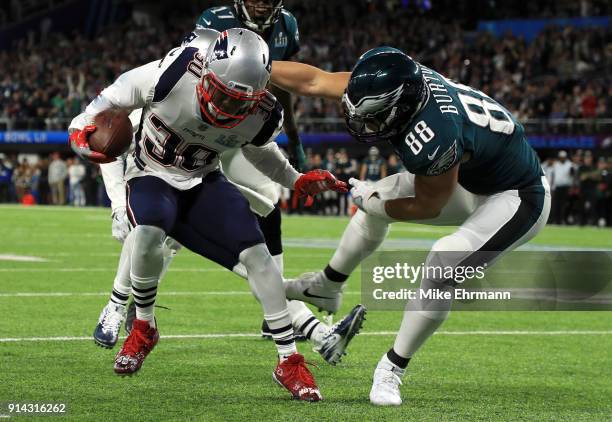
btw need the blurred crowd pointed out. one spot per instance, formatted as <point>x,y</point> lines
<point>581,184</point>
<point>50,180</point>
<point>563,73</point>
<point>581,188</point>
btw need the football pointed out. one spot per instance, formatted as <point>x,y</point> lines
<point>113,134</point>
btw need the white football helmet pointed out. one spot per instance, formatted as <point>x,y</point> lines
<point>236,73</point>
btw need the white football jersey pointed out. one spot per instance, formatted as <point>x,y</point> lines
<point>173,141</point>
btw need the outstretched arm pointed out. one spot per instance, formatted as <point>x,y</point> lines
<point>309,81</point>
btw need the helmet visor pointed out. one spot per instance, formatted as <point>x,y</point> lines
<point>224,106</point>
<point>370,128</point>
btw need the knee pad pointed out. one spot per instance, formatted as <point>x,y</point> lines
<point>449,251</point>
<point>147,238</point>
<point>369,227</point>
<point>256,258</point>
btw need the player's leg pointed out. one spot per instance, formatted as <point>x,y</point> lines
<point>152,209</point>
<point>170,249</point>
<point>112,316</point>
<point>362,236</point>
<point>218,211</point>
<point>500,223</point>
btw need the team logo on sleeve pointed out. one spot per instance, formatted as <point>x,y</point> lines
<point>444,162</point>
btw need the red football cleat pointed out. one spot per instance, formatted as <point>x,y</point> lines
<point>137,346</point>
<point>294,375</point>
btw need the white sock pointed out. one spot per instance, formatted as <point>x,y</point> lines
<point>304,320</point>
<point>122,285</point>
<point>267,286</point>
<point>418,325</point>
<point>362,236</point>
<point>278,260</point>
<point>147,261</point>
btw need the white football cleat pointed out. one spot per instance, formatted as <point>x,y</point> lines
<point>106,333</point>
<point>385,386</point>
<point>316,289</point>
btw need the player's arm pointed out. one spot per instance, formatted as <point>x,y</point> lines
<point>294,146</point>
<point>431,193</point>
<point>310,81</point>
<point>130,91</point>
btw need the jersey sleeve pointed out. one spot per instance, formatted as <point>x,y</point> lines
<point>131,90</point>
<point>218,18</point>
<point>113,176</point>
<point>293,42</point>
<point>272,125</point>
<point>206,19</point>
<point>428,149</point>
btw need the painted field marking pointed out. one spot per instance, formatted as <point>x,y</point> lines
<point>373,334</point>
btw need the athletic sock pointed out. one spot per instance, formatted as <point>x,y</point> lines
<point>362,236</point>
<point>278,260</point>
<point>267,286</point>
<point>333,275</point>
<point>146,266</point>
<point>387,363</point>
<point>122,285</point>
<point>282,333</point>
<point>397,360</point>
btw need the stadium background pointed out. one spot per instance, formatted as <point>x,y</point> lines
<point>549,62</point>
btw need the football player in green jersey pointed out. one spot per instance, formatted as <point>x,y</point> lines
<point>468,164</point>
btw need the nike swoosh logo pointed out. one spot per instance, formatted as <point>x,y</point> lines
<point>433,155</point>
<point>307,294</point>
<point>206,22</point>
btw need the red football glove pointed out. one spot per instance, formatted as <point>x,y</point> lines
<point>80,146</point>
<point>314,182</point>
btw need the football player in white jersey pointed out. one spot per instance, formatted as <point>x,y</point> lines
<point>198,103</point>
<point>330,342</point>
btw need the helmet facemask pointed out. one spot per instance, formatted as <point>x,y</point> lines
<point>381,123</point>
<point>225,106</point>
<point>259,16</point>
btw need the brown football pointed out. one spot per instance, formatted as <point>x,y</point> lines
<point>113,134</point>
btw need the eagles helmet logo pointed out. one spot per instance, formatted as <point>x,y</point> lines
<point>376,103</point>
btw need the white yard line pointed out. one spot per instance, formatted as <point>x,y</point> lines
<point>21,258</point>
<point>162,293</point>
<point>373,333</point>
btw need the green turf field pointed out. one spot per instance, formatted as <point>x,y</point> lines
<point>496,366</point>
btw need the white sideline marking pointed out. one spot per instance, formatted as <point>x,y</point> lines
<point>21,258</point>
<point>114,269</point>
<point>162,293</point>
<point>374,333</point>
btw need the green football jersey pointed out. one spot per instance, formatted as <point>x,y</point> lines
<point>457,119</point>
<point>283,38</point>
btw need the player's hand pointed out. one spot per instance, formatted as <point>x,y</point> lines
<point>361,192</point>
<point>121,224</point>
<point>80,146</point>
<point>317,181</point>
